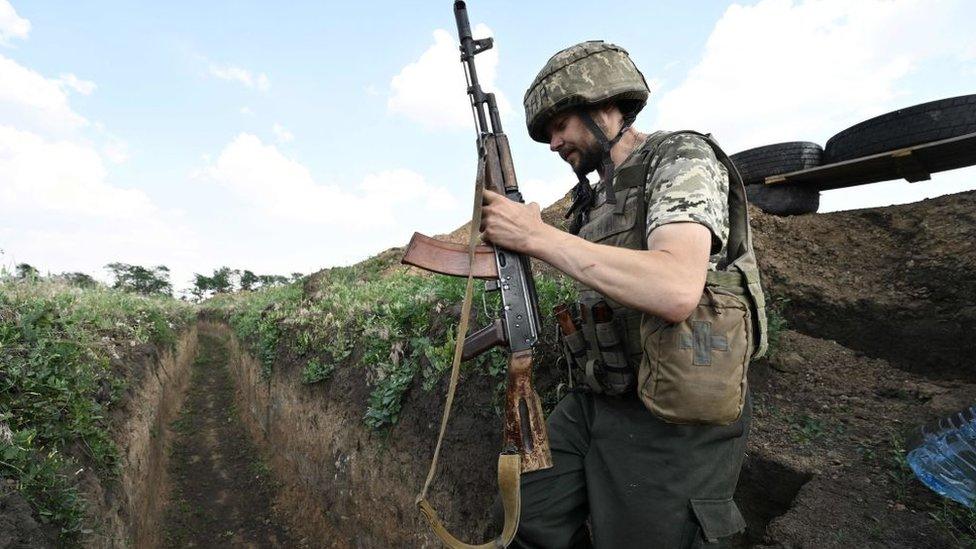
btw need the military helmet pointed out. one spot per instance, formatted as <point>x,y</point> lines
<point>586,74</point>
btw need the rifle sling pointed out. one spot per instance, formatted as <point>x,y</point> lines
<point>509,465</point>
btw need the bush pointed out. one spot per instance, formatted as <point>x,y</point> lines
<point>57,386</point>
<point>400,324</point>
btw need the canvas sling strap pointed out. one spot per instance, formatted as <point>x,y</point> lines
<point>509,464</point>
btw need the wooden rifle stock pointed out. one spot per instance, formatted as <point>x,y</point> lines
<point>525,426</point>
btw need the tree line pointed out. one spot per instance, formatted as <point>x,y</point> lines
<point>155,280</point>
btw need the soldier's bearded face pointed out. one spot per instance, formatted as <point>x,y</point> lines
<point>574,142</point>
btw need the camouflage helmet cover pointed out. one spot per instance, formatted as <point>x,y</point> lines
<point>586,74</point>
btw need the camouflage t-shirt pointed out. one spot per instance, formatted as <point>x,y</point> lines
<point>687,183</point>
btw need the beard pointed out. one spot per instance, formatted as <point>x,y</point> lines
<point>590,159</point>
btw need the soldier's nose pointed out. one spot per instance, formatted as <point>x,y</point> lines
<point>555,142</point>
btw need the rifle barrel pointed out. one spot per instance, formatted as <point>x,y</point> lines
<point>470,72</point>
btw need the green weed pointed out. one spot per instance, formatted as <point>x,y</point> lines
<point>399,326</point>
<point>898,472</point>
<point>807,429</point>
<point>776,323</point>
<point>956,521</point>
<point>316,371</point>
<point>57,384</point>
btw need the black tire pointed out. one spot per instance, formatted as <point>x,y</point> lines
<point>914,125</point>
<point>784,199</point>
<point>757,164</point>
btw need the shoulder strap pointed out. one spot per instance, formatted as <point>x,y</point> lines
<point>740,258</point>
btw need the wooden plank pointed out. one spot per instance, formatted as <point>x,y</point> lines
<point>915,163</point>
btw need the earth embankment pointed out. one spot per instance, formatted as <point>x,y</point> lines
<point>895,283</point>
<point>126,510</point>
<point>128,513</point>
<point>877,303</point>
<point>345,485</point>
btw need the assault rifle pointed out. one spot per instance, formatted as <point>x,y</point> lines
<point>526,443</point>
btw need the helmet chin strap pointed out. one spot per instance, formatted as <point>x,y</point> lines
<point>606,162</point>
<point>583,195</point>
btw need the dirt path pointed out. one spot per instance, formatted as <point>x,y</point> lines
<point>222,492</point>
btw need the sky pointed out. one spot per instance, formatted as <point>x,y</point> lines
<point>288,137</point>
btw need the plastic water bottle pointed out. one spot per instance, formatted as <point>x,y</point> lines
<point>944,457</point>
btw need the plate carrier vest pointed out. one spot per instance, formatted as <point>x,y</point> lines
<point>610,353</point>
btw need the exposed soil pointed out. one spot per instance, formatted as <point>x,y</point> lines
<point>18,529</point>
<point>880,311</point>
<point>895,283</point>
<point>825,456</point>
<point>222,492</point>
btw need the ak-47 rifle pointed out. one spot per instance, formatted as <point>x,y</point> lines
<point>526,443</point>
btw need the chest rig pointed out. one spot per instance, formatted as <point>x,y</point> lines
<point>609,345</point>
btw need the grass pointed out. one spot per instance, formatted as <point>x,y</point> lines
<point>57,385</point>
<point>956,521</point>
<point>899,473</point>
<point>396,325</point>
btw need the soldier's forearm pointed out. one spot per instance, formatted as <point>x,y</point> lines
<point>657,282</point>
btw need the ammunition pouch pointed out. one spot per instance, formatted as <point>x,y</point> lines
<point>597,353</point>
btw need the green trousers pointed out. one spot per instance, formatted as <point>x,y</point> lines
<point>641,482</point>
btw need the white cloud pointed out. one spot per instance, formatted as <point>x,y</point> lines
<point>116,150</point>
<point>431,89</point>
<point>898,192</point>
<point>11,24</point>
<point>84,87</point>
<point>785,71</point>
<point>246,111</point>
<point>280,188</point>
<point>654,84</point>
<point>232,73</point>
<point>57,210</point>
<point>41,175</point>
<point>282,134</point>
<point>29,99</point>
<point>262,82</point>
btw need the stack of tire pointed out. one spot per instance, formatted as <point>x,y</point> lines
<point>923,123</point>
<point>755,165</point>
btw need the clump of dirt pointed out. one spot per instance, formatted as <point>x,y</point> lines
<point>18,529</point>
<point>223,492</point>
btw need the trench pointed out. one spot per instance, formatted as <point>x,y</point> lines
<point>222,491</point>
<point>248,460</point>
<point>344,485</point>
<point>766,490</point>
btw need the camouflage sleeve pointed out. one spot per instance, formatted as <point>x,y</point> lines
<point>688,183</point>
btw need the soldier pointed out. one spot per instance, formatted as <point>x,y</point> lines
<point>650,446</point>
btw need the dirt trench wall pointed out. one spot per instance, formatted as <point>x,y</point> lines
<point>895,283</point>
<point>127,513</point>
<point>344,485</point>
